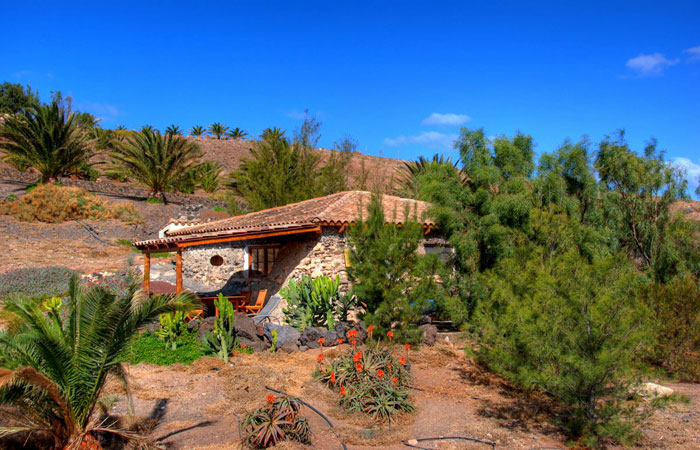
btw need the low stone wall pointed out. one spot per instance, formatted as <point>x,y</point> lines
<point>111,188</point>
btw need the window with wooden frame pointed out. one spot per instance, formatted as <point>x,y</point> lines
<point>261,258</point>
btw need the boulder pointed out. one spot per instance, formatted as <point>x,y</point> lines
<point>330,338</point>
<point>340,330</point>
<point>429,334</point>
<point>284,333</point>
<point>257,345</point>
<point>309,337</point>
<point>206,325</point>
<point>289,347</point>
<point>361,331</point>
<point>245,327</point>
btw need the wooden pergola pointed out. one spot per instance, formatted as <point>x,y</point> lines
<point>178,243</point>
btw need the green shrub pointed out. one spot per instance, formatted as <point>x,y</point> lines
<point>36,283</point>
<point>278,420</point>
<point>148,348</point>
<point>315,302</point>
<point>372,382</point>
<point>172,325</point>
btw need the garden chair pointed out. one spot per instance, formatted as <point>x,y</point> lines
<point>266,312</point>
<point>258,302</point>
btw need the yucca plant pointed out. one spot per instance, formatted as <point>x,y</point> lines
<point>174,130</point>
<point>62,355</point>
<point>237,133</point>
<point>197,130</point>
<point>156,161</point>
<point>218,129</point>
<point>47,138</point>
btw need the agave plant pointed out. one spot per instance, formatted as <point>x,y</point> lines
<point>156,161</point>
<point>218,129</point>
<point>47,138</point>
<point>275,422</point>
<point>237,133</point>
<point>174,130</point>
<point>197,130</point>
<point>63,354</point>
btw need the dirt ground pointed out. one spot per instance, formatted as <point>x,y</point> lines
<point>198,406</point>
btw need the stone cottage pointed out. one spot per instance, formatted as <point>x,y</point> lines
<point>265,249</point>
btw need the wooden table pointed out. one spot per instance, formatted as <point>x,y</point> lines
<point>239,301</point>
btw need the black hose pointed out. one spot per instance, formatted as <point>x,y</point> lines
<point>330,424</point>
<point>445,438</point>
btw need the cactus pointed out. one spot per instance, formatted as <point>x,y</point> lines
<point>315,302</point>
<point>222,340</point>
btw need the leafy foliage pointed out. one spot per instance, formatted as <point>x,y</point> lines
<point>222,339</point>
<point>315,302</point>
<point>62,358</point>
<point>148,348</point>
<point>172,325</point>
<point>15,98</point>
<point>47,138</point>
<point>279,420</point>
<point>372,382</point>
<point>205,176</point>
<point>156,161</point>
<point>36,283</point>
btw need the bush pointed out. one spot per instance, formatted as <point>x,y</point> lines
<point>372,382</point>
<point>275,422</point>
<point>575,331</point>
<point>676,313</point>
<point>148,348</point>
<point>315,302</point>
<point>53,204</point>
<point>36,283</point>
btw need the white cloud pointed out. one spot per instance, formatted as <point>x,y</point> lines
<point>101,110</point>
<point>446,119</point>
<point>694,53</point>
<point>433,139</point>
<point>652,64</point>
<point>692,171</point>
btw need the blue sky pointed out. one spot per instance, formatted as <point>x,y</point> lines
<point>400,76</point>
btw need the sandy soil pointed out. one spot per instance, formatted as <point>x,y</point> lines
<point>198,406</point>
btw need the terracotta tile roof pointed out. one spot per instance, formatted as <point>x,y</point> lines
<point>332,210</point>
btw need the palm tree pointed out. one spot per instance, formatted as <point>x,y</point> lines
<point>62,357</point>
<point>237,133</point>
<point>174,130</point>
<point>209,176</point>
<point>197,130</point>
<point>120,128</point>
<point>218,129</point>
<point>147,129</point>
<point>156,161</point>
<point>46,137</point>
<point>408,182</point>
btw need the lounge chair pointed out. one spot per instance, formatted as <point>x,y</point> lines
<point>266,312</point>
<point>258,303</point>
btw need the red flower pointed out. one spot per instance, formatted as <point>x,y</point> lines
<point>342,390</point>
<point>389,366</point>
<point>358,367</point>
<point>370,329</point>
<point>321,340</point>
<point>407,347</point>
<point>333,377</point>
<point>395,380</point>
<point>352,333</point>
<point>270,399</point>
<point>357,357</point>
<point>380,373</point>
<point>340,341</point>
<point>402,361</point>
<point>390,335</point>
<point>353,342</point>
<point>320,357</point>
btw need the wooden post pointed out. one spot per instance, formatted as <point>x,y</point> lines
<point>178,272</point>
<point>147,272</point>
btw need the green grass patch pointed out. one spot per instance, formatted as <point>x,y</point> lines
<point>151,349</point>
<point>125,243</point>
<point>154,200</point>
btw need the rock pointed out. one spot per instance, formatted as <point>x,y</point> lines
<point>257,345</point>
<point>654,390</point>
<point>284,333</point>
<point>206,325</point>
<point>303,348</point>
<point>340,329</point>
<point>260,331</point>
<point>309,337</point>
<point>361,331</point>
<point>429,334</point>
<point>193,324</point>
<point>412,442</point>
<point>289,347</point>
<point>245,327</point>
<point>330,338</point>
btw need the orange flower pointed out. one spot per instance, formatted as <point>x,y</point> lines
<point>321,340</point>
<point>402,361</point>
<point>357,357</point>
<point>390,335</point>
<point>270,399</point>
<point>320,357</point>
<point>370,329</point>
<point>352,333</point>
<point>380,373</point>
<point>353,342</point>
<point>407,347</point>
<point>333,377</point>
<point>358,367</point>
<point>395,380</point>
<point>389,366</point>
<point>340,341</point>
<point>342,390</point>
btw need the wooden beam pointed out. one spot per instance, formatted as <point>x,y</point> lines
<point>260,235</point>
<point>178,272</point>
<point>147,272</point>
